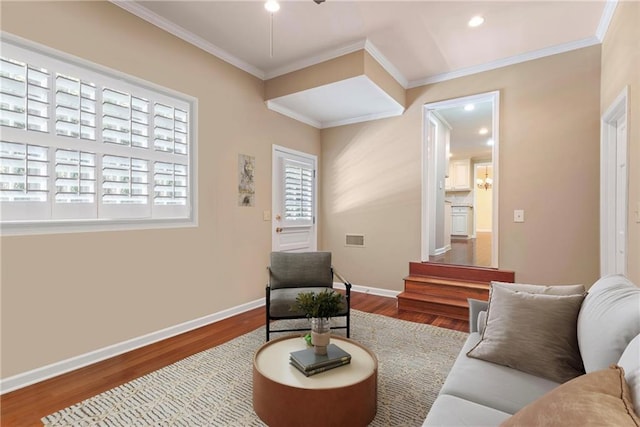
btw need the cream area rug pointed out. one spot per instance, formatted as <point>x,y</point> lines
<point>214,387</point>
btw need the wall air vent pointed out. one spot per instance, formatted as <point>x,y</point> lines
<point>355,240</point>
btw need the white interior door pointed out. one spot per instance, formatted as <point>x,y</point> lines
<point>294,202</point>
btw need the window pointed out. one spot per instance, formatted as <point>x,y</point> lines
<point>298,192</point>
<point>87,146</point>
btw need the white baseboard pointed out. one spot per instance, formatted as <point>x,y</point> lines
<point>40,374</point>
<point>367,290</point>
<point>58,368</point>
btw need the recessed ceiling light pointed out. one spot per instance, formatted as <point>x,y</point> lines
<point>490,142</point>
<point>272,6</point>
<point>476,21</point>
<point>469,107</point>
<point>483,131</point>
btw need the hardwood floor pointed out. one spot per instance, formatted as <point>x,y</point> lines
<point>474,252</point>
<point>25,407</point>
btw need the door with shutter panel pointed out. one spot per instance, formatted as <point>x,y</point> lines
<point>294,201</point>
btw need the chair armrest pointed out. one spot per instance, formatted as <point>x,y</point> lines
<point>342,279</point>
<point>475,307</point>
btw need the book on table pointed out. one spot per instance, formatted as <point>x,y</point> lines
<point>310,363</point>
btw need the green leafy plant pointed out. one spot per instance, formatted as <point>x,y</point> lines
<point>327,303</point>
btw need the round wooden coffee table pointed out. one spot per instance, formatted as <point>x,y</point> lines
<point>283,396</point>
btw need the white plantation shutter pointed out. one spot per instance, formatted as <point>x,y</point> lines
<point>79,142</point>
<point>298,193</point>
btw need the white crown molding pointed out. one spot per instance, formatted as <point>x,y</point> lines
<point>172,28</point>
<point>365,118</point>
<point>386,64</point>
<point>512,60</point>
<point>316,59</point>
<point>40,374</point>
<point>605,19</point>
<point>147,15</point>
<point>275,106</point>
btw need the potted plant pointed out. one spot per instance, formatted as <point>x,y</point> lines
<point>320,307</point>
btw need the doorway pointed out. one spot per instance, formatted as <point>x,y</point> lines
<point>468,135</point>
<point>294,201</point>
<point>614,187</point>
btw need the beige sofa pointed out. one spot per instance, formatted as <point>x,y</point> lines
<point>606,322</point>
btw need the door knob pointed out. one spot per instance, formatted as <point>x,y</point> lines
<point>279,230</point>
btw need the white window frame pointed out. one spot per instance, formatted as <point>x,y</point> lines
<point>160,217</point>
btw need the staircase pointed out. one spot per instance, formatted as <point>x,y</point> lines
<point>443,289</point>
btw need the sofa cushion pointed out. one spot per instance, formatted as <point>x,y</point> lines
<point>600,398</point>
<point>523,287</point>
<point>609,319</point>
<point>541,289</point>
<point>532,332</point>
<point>492,385</point>
<point>630,362</point>
<point>453,411</point>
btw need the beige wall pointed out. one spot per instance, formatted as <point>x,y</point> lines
<point>620,68</point>
<point>334,70</point>
<point>484,200</point>
<point>67,294</point>
<point>549,162</point>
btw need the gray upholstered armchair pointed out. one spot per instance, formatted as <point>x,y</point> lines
<point>292,273</point>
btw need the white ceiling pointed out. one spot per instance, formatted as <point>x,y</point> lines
<point>466,140</point>
<point>418,42</point>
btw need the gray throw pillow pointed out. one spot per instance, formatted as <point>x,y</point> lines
<point>534,333</point>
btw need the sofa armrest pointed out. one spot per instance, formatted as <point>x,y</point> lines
<point>475,307</point>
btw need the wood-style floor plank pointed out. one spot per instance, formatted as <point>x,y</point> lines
<point>26,406</point>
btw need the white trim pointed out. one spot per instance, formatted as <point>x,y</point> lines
<point>365,118</point>
<point>605,19</point>
<point>63,62</point>
<point>275,106</point>
<point>386,64</point>
<point>316,59</point>
<point>172,28</point>
<point>368,290</point>
<point>512,60</point>
<point>68,365</point>
<point>608,161</point>
<point>40,374</point>
<point>365,44</point>
<point>276,151</point>
<point>428,163</point>
<point>26,228</point>
<point>442,250</point>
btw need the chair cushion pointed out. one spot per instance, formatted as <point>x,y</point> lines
<point>609,319</point>
<point>283,300</point>
<point>303,269</point>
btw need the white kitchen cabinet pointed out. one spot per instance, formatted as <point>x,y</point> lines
<point>459,175</point>
<point>461,221</point>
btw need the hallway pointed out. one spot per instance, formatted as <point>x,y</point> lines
<point>474,252</point>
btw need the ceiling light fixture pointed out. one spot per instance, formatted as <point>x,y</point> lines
<point>272,6</point>
<point>469,107</point>
<point>485,183</point>
<point>476,21</point>
<point>483,131</point>
<point>490,142</point>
